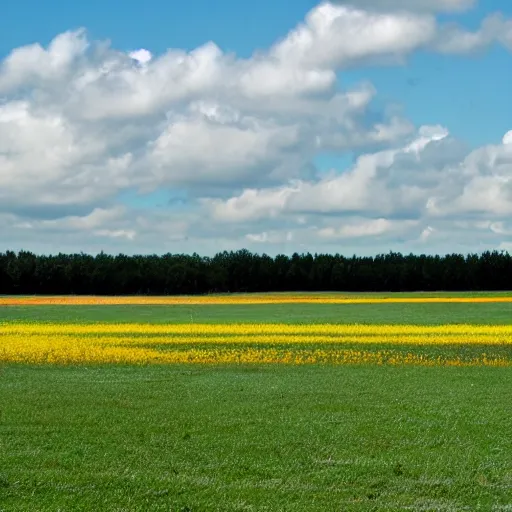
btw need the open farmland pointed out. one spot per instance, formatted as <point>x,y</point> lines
<point>274,403</point>
<point>458,345</point>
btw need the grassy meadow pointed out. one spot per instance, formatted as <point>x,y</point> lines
<point>363,406</point>
<point>393,313</point>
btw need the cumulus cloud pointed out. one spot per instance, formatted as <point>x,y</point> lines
<point>46,159</point>
<point>33,64</point>
<point>402,190</point>
<point>370,186</point>
<point>412,5</point>
<point>142,56</point>
<point>82,122</point>
<point>339,36</point>
<point>213,145</point>
<point>251,204</point>
<point>364,228</point>
<point>453,39</point>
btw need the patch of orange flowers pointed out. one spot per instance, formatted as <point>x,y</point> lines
<point>244,299</point>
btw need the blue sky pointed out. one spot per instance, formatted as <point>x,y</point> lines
<point>235,26</point>
<point>262,147</point>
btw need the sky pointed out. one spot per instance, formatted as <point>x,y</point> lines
<point>342,127</point>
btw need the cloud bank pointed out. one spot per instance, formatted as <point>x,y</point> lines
<point>202,150</point>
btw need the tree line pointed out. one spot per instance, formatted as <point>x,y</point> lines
<point>243,271</point>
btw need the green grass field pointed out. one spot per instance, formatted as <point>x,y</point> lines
<point>272,438</point>
<point>402,313</point>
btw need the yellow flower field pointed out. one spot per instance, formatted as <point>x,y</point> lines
<point>245,329</point>
<point>242,299</point>
<point>449,345</point>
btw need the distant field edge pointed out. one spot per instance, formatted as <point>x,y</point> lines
<point>260,298</point>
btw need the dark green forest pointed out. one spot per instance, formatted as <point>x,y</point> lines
<point>243,271</point>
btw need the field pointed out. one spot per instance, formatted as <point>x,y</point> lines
<point>351,403</point>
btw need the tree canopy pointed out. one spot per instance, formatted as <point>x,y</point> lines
<point>243,271</point>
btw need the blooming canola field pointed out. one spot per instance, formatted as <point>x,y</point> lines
<point>256,298</point>
<point>248,343</point>
<point>391,405</point>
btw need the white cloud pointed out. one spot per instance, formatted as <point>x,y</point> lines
<point>400,193</point>
<point>270,77</point>
<point>480,184</point>
<point>272,237</point>
<point>119,233</point>
<point>46,159</point>
<point>494,28</point>
<point>412,5</point>
<point>501,228</point>
<point>215,145</point>
<point>33,64</point>
<point>94,220</point>
<point>339,36</point>
<point>251,204</point>
<point>142,56</point>
<point>426,233</point>
<point>364,188</point>
<point>365,228</point>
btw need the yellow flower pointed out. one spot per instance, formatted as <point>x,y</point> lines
<point>256,343</point>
